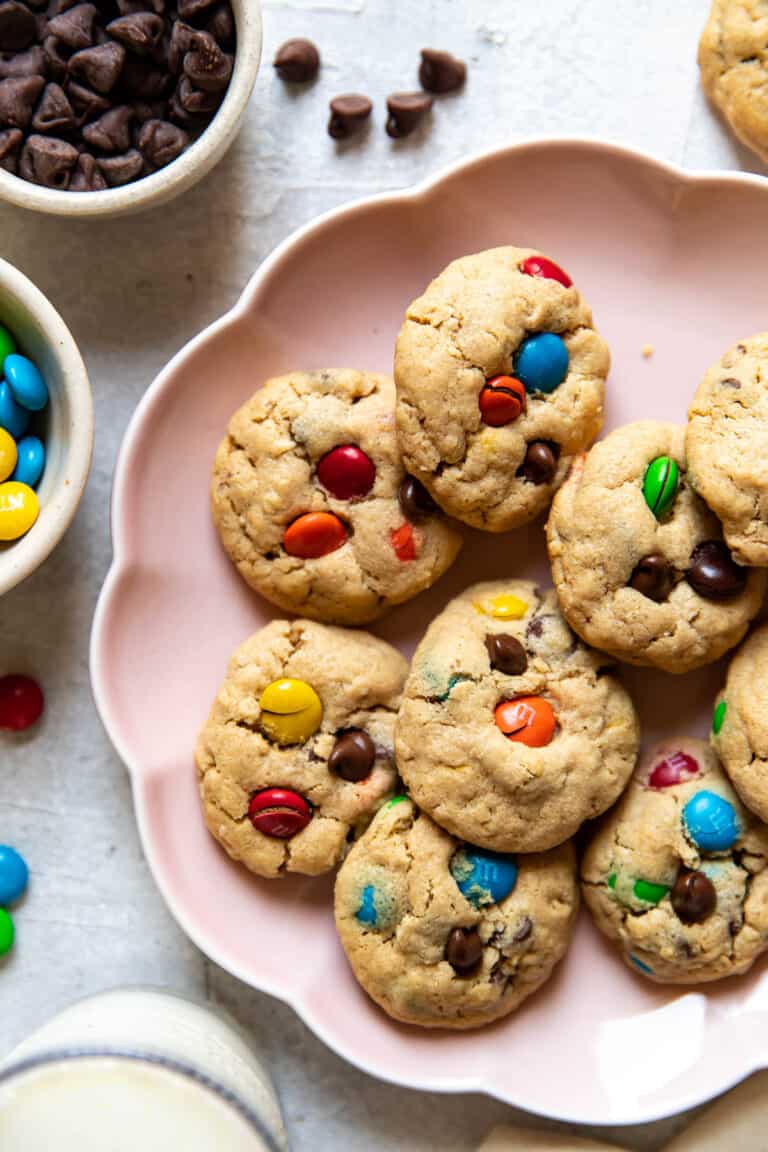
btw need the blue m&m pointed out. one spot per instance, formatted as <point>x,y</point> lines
<point>14,875</point>
<point>26,382</point>
<point>23,391</point>
<point>542,362</point>
<point>483,877</point>
<point>711,822</point>
<point>13,417</point>
<point>30,461</point>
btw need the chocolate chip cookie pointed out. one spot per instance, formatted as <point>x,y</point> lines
<point>638,560</point>
<point>677,874</point>
<point>733,58</point>
<point>297,753</point>
<point>500,381</point>
<point>740,722</point>
<point>510,734</point>
<point>726,445</point>
<point>444,935</point>
<point>314,506</point>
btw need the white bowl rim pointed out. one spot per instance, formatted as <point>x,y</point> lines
<point>417,192</point>
<point>27,554</point>
<point>177,176</point>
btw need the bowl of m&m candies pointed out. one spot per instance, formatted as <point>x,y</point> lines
<point>46,427</point>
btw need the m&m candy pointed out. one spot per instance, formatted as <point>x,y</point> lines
<point>7,932</point>
<point>30,461</point>
<point>7,346</point>
<point>8,454</point>
<point>711,822</point>
<point>279,813</point>
<point>503,607</point>
<point>291,711</point>
<point>718,718</point>
<point>501,401</point>
<point>660,484</point>
<point>403,542</point>
<point>14,875</point>
<point>545,269</point>
<point>526,720</point>
<point>483,877</point>
<point>542,362</point>
<point>19,508</point>
<point>675,768</point>
<point>346,472</point>
<point>313,535</point>
<point>13,418</point>
<point>22,461</point>
<point>21,703</point>
<point>26,382</point>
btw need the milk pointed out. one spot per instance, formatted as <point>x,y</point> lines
<point>137,1071</point>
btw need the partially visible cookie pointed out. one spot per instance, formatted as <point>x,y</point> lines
<point>726,445</point>
<point>313,504</point>
<point>297,753</point>
<point>638,559</point>
<point>500,381</point>
<point>510,733</point>
<point>446,936</point>
<point>733,58</point>
<point>740,722</point>
<point>676,874</point>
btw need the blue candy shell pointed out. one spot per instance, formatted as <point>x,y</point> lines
<point>483,877</point>
<point>26,383</point>
<point>640,965</point>
<point>30,462</point>
<point>711,822</point>
<point>366,913</point>
<point>542,362</point>
<point>12,417</point>
<point>14,875</point>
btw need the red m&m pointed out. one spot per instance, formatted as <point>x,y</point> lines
<point>404,542</point>
<point>675,768</point>
<point>526,720</point>
<point>313,535</point>
<point>501,401</point>
<point>279,813</point>
<point>21,703</point>
<point>546,270</point>
<point>346,472</point>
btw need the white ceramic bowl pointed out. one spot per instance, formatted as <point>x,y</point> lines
<point>181,174</point>
<point>42,335</point>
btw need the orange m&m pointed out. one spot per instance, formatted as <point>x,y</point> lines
<point>526,720</point>
<point>313,535</point>
<point>501,401</point>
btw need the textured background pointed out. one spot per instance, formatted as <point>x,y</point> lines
<point>135,291</point>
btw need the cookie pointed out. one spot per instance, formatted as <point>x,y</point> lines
<point>726,445</point>
<point>444,935</point>
<point>297,753</point>
<point>676,874</point>
<point>638,559</point>
<point>510,734</point>
<point>740,722</point>
<point>313,504</point>
<point>500,381</point>
<point>733,58</point>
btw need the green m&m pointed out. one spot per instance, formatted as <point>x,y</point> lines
<point>660,484</point>
<point>7,932</point>
<point>719,717</point>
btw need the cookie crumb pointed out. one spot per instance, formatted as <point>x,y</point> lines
<point>648,351</point>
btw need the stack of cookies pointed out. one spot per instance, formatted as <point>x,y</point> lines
<point>450,790</point>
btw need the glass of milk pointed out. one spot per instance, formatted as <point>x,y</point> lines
<point>138,1070</point>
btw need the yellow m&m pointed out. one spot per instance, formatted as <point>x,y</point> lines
<point>504,607</point>
<point>8,454</point>
<point>291,711</point>
<point>19,508</point>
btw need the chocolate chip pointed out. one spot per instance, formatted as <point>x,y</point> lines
<point>693,896</point>
<point>56,58</point>
<point>118,170</point>
<point>731,382</point>
<point>464,950</point>
<point>140,32</point>
<point>415,502</point>
<point>353,755</point>
<point>348,115</point>
<point>142,80</point>
<point>440,71</point>
<point>540,463</point>
<point>653,577</point>
<point>297,61</point>
<point>192,9</point>
<point>86,176</point>
<point>10,143</point>
<point>206,65</point>
<point>506,654</point>
<point>29,63</point>
<point>523,930</point>
<point>182,39</point>
<point>18,27</point>
<point>54,113</point>
<point>48,161</point>
<point>405,111</point>
<point>713,573</point>
<point>112,131</point>
<point>85,102</point>
<point>18,96</point>
<point>222,26</point>
<point>161,142</point>
<point>74,27</point>
<point>100,67</point>
<point>129,7</point>
<point>194,100</point>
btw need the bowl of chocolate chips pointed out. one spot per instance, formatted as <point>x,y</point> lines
<point>117,105</point>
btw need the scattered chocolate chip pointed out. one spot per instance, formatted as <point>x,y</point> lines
<point>405,111</point>
<point>440,71</point>
<point>140,32</point>
<point>161,142</point>
<point>206,65</point>
<point>29,63</point>
<point>693,896</point>
<point>348,115</point>
<point>48,161</point>
<point>118,170</point>
<point>523,930</point>
<point>464,950</point>
<point>74,28</point>
<point>112,131</point>
<point>18,96</point>
<point>54,113</point>
<point>506,654</point>
<point>540,463</point>
<point>86,176</point>
<point>100,67</point>
<point>730,382</point>
<point>353,755</point>
<point>415,502</point>
<point>653,577</point>
<point>10,143</point>
<point>18,27</point>
<point>713,573</point>
<point>297,61</point>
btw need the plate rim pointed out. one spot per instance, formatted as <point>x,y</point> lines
<point>418,192</point>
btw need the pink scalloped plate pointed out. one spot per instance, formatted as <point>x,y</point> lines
<point>669,259</point>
